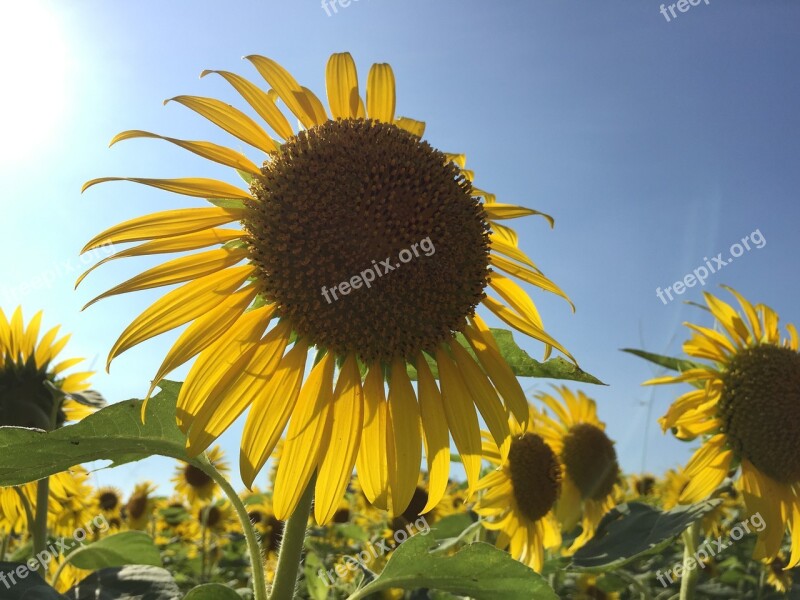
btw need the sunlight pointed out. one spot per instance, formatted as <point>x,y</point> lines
<point>34,77</point>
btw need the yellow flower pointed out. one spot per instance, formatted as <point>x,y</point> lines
<point>140,506</point>
<point>72,502</point>
<point>520,495</point>
<point>358,241</point>
<point>109,500</point>
<point>671,489</point>
<point>35,391</point>
<point>745,405</point>
<point>588,460</point>
<point>777,577</point>
<point>193,484</point>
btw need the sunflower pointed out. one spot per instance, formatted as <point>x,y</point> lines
<point>72,502</point>
<point>35,391</point>
<point>356,240</point>
<point>193,483</point>
<point>140,506</point>
<point>745,405</point>
<point>109,501</point>
<point>778,578</point>
<point>671,489</point>
<point>520,495</point>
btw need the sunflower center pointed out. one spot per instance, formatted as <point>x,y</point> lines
<point>535,475</point>
<point>590,461</point>
<point>195,477</point>
<point>108,500</point>
<point>368,239</point>
<point>760,409</point>
<point>137,505</point>
<point>210,515</point>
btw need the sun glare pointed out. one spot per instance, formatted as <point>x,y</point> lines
<point>34,77</point>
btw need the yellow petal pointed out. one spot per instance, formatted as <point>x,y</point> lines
<point>230,119</point>
<point>404,410</point>
<point>198,187</point>
<point>180,306</point>
<point>341,80</point>
<point>437,436</point>
<point>164,224</point>
<point>496,211</point>
<point>271,410</point>
<point>182,269</point>
<point>461,417</point>
<point>31,335</point>
<point>204,331</point>
<point>317,108</point>
<point>182,243</point>
<point>346,416</point>
<point>214,152</point>
<point>498,370</point>
<point>219,365</point>
<point>261,102</point>
<point>372,462</point>
<point>301,449</point>
<point>485,398</point>
<point>500,246</point>
<point>287,89</point>
<point>412,126</point>
<point>381,93</point>
<point>532,277</point>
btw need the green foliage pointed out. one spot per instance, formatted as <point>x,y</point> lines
<point>668,362</point>
<point>120,549</point>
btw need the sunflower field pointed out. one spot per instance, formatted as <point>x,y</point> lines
<point>323,282</point>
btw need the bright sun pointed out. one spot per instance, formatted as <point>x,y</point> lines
<point>33,78</point>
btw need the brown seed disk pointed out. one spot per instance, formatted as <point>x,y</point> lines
<point>590,461</point>
<point>338,200</point>
<point>535,475</point>
<point>108,500</point>
<point>760,409</point>
<point>195,477</point>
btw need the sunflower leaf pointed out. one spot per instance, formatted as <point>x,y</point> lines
<point>118,550</point>
<point>632,530</point>
<point>114,433</point>
<point>212,591</point>
<point>478,570</point>
<point>520,361</point>
<point>133,581</point>
<point>668,362</point>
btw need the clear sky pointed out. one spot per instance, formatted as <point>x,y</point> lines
<point>656,144</point>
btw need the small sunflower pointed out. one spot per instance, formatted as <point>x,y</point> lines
<point>588,460</point>
<point>109,500</point>
<point>521,494</point>
<point>140,506</point>
<point>193,483</point>
<point>35,391</point>
<point>778,578</point>
<point>72,502</point>
<point>745,405</point>
<point>356,240</point>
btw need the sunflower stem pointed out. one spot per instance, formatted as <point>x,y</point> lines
<point>290,555</point>
<point>39,531</point>
<point>690,572</point>
<point>253,548</point>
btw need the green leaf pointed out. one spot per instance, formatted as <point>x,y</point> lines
<point>478,570</point>
<point>668,362</point>
<point>520,361</point>
<point>315,586</point>
<point>629,531</point>
<point>452,526</point>
<point>118,550</point>
<point>212,591</point>
<point>114,433</point>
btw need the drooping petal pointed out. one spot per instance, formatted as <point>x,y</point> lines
<point>404,410</point>
<point>436,434</point>
<point>198,187</point>
<point>372,462</point>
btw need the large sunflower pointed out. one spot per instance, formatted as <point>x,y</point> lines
<point>588,460</point>
<point>521,494</point>
<point>358,241</point>
<point>745,405</point>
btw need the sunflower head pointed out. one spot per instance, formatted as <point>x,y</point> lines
<point>196,485</point>
<point>140,505</point>
<point>109,499</point>
<point>34,390</point>
<point>356,240</point>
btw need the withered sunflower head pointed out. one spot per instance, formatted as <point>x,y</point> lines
<point>25,400</point>
<point>338,200</point>
<point>760,409</point>
<point>535,475</point>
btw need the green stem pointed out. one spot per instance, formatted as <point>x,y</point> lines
<point>27,506</point>
<point>291,552</point>
<point>690,575</point>
<point>40,521</point>
<point>256,559</point>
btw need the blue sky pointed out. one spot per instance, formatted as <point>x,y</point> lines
<point>654,145</point>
